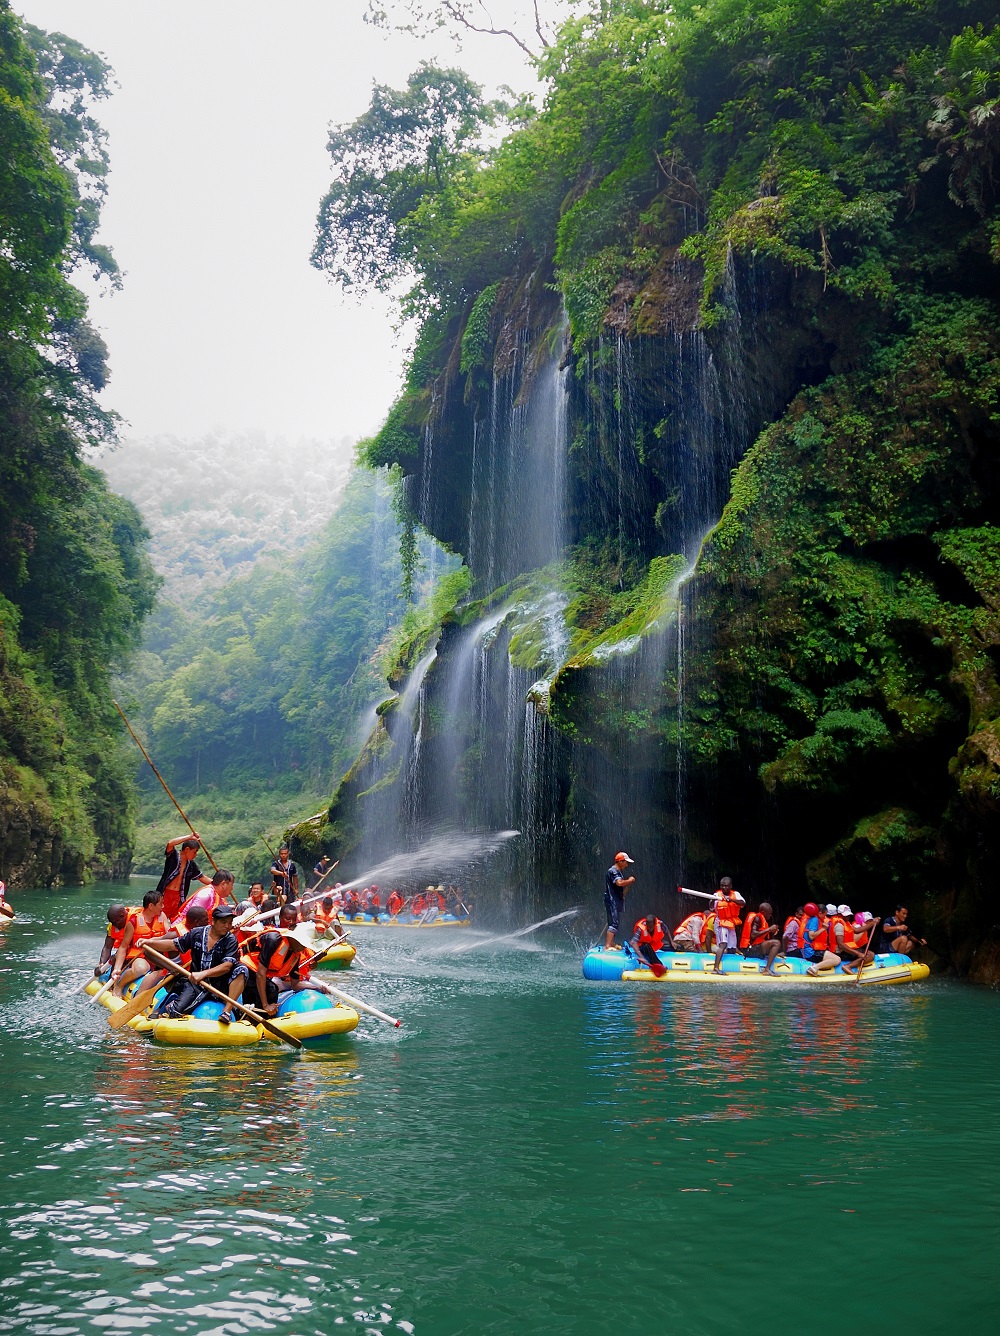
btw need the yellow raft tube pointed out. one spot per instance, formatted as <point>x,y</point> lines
<point>699,967</point>
<point>308,1015</point>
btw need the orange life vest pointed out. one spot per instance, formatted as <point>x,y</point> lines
<point>832,935</point>
<point>395,903</point>
<point>802,930</point>
<point>647,938</point>
<point>284,959</point>
<point>418,905</point>
<point>115,935</point>
<point>819,942</point>
<point>755,930</point>
<point>728,912</point>
<point>682,928</point>
<point>145,932</point>
<point>322,919</point>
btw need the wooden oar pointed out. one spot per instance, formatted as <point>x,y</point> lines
<point>166,787</point>
<point>268,1025</point>
<point>102,990</point>
<point>363,1006</point>
<point>139,1001</point>
<point>868,942</point>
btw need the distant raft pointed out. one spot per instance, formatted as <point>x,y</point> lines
<point>309,1015</point>
<point>407,921</point>
<point>698,967</point>
<point>339,955</point>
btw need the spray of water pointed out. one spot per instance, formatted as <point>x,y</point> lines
<point>445,854</point>
<point>522,932</point>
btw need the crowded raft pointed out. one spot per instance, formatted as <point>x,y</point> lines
<point>727,942</point>
<point>193,966</point>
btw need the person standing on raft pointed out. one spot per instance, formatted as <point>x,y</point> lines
<point>179,871</point>
<point>728,903</point>
<point>616,885</point>
<point>285,876</point>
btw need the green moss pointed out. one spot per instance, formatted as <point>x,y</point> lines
<point>476,337</point>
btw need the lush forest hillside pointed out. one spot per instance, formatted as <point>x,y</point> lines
<point>75,580</point>
<point>760,237</point>
<point>215,505</point>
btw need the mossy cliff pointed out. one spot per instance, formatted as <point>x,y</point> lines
<point>761,241</point>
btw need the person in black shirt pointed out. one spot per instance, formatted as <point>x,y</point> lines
<point>285,876</point>
<point>897,935</point>
<point>215,955</point>
<point>615,885</point>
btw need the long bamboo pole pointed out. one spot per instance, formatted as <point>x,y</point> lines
<point>166,786</point>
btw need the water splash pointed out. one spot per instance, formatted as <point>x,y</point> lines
<point>522,932</point>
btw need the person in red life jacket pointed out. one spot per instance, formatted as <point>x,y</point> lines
<point>215,958</point>
<point>394,903</point>
<point>196,917</point>
<point>214,893</point>
<point>273,964</point>
<point>790,932</point>
<point>862,931</point>
<point>143,925</point>
<point>687,934</point>
<point>326,920</point>
<point>759,939</point>
<point>179,870</point>
<point>117,919</point>
<point>352,903</point>
<point>728,903</point>
<point>418,906</point>
<point>374,903</point>
<point>813,937</point>
<point>648,938</point>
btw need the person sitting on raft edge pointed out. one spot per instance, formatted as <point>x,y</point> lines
<point>759,939</point>
<point>616,885</point>
<point>728,903</point>
<point>214,959</point>
<point>898,935</point>
<point>648,938</point>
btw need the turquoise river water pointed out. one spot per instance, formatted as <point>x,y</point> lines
<point>529,1154</point>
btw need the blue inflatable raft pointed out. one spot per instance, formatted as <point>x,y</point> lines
<point>698,967</point>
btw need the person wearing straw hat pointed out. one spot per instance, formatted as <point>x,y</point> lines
<point>273,964</point>
<point>616,886</point>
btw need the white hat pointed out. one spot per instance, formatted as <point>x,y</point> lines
<point>866,917</point>
<point>831,909</point>
<point>843,909</point>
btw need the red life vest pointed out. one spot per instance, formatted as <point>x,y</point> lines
<point>418,905</point>
<point>284,958</point>
<point>832,935</point>
<point>728,912</point>
<point>395,903</point>
<point>647,938</point>
<point>755,930</point>
<point>803,920</point>
<point>322,919</point>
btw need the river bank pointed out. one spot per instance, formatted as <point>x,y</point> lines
<point>529,1154</point>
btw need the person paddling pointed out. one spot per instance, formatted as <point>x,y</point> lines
<point>647,940</point>
<point>273,964</point>
<point>214,959</point>
<point>179,870</point>
<point>117,921</point>
<point>616,886</point>
<point>143,925</point>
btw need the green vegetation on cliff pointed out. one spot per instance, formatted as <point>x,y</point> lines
<point>75,583</point>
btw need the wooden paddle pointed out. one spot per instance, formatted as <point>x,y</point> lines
<point>139,1001</point>
<point>268,1025</point>
<point>871,937</point>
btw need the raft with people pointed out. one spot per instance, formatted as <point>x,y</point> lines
<point>698,967</point>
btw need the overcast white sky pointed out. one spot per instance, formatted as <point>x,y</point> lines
<point>218,148</point>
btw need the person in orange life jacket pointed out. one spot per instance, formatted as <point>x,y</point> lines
<point>790,932</point>
<point>117,919</point>
<point>857,951</point>
<point>285,875</point>
<point>759,939</point>
<point>325,919</point>
<point>196,917</point>
<point>143,924</point>
<point>616,886</point>
<point>374,902</point>
<point>898,935</point>
<point>352,903</point>
<point>179,870</point>
<point>214,953</point>
<point>813,936</point>
<point>272,964</point>
<point>648,938</point>
<point>728,903</point>
<point>394,903</point>
<point>254,900</point>
<point>687,934</point>
<point>838,944</point>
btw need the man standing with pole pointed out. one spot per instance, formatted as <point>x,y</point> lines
<point>616,885</point>
<point>179,871</point>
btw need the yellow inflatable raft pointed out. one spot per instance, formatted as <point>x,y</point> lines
<point>307,1015</point>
